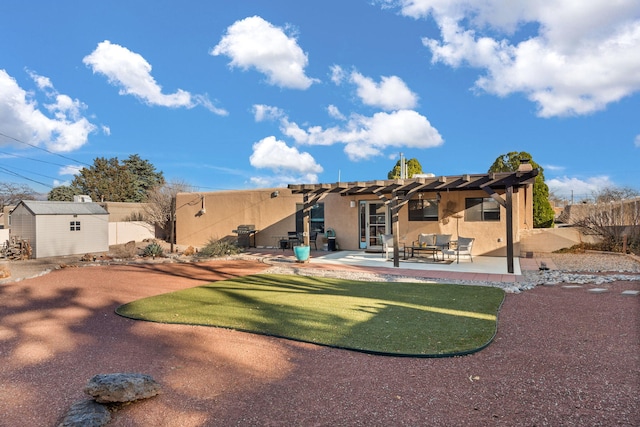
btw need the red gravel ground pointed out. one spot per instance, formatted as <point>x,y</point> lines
<point>562,357</point>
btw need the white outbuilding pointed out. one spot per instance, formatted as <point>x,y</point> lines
<point>61,228</point>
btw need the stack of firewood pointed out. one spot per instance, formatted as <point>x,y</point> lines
<point>17,249</point>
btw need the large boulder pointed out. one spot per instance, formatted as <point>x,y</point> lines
<point>121,387</point>
<point>86,413</point>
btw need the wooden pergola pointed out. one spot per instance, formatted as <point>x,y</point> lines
<point>396,193</point>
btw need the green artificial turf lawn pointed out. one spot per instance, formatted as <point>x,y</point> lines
<point>415,319</point>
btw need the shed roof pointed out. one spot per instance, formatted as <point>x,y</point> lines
<point>63,208</point>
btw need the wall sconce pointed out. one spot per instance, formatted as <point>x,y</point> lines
<point>352,203</point>
<point>275,194</point>
<point>438,197</point>
<point>202,210</point>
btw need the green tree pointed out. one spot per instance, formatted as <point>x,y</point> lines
<point>106,180</point>
<point>63,193</point>
<point>113,181</point>
<point>144,175</point>
<point>542,211</point>
<point>413,167</point>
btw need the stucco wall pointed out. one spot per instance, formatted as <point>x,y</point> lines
<point>121,211</point>
<point>553,239</point>
<point>123,232</point>
<point>224,211</point>
<point>275,216</point>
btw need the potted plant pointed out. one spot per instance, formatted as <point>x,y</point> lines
<point>302,253</point>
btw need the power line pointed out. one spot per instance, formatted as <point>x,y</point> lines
<point>9,172</point>
<point>30,158</point>
<point>43,149</point>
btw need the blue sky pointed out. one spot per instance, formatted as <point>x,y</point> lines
<point>254,93</point>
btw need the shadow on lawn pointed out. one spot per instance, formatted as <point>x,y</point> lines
<point>412,319</point>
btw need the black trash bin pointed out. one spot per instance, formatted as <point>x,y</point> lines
<point>331,244</point>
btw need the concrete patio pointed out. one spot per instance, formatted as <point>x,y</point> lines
<point>483,268</point>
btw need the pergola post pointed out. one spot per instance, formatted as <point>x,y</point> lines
<point>395,227</point>
<point>509,209</point>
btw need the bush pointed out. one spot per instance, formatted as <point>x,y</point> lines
<point>153,250</point>
<point>218,248</point>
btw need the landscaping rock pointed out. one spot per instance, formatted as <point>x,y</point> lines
<point>86,413</point>
<point>121,387</point>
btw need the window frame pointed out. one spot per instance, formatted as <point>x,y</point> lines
<point>476,209</point>
<point>417,211</point>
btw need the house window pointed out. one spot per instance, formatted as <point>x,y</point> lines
<point>423,210</point>
<point>317,218</point>
<point>74,225</point>
<point>481,209</point>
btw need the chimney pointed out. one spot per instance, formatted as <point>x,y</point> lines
<point>525,166</point>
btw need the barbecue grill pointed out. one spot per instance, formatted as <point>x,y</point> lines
<point>246,235</point>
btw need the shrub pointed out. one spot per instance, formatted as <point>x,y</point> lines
<point>218,248</point>
<point>153,250</point>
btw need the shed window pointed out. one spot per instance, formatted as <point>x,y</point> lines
<point>74,225</point>
<point>423,210</point>
<point>481,209</point>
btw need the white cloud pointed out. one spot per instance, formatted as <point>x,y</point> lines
<point>579,189</point>
<point>335,112</point>
<point>70,170</point>
<point>337,75</point>
<point>390,94</point>
<point>554,168</point>
<point>132,73</point>
<point>256,43</point>
<point>263,112</point>
<point>62,128</point>
<point>270,153</point>
<point>365,137</point>
<point>636,141</point>
<point>582,57</point>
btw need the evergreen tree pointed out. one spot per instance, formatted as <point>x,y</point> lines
<point>542,211</point>
<point>145,176</point>
<point>63,193</point>
<point>112,181</point>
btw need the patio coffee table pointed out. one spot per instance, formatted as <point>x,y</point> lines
<point>433,250</point>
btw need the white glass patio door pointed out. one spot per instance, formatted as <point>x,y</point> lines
<point>373,223</point>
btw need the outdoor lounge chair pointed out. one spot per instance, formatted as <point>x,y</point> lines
<point>387,245</point>
<point>464,247</point>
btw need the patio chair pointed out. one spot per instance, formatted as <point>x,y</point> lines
<point>294,240</point>
<point>464,247</point>
<point>425,240</point>
<point>313,238</point>
<point>387,245</point>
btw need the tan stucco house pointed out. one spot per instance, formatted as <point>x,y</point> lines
<point>493,208</point>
